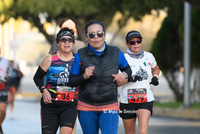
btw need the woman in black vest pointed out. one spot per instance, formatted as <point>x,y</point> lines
<point>95,69</point>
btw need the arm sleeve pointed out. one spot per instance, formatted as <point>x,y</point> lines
<point>38,77</point>
<point>127,69</point>
<point>123,64</point>
<point>75,80</point>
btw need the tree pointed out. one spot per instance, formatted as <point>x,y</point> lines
<point>167,47</point>
<point>81,11</point>
<point>35,11</point>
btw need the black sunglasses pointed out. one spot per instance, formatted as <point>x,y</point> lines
<point>69,40</point>
<point>92,35</point>
<point>134,42</point>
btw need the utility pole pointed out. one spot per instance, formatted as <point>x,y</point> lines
<point>187,44</point>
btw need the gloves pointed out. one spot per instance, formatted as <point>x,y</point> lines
<point>154,81</point>
<point>133,78</point>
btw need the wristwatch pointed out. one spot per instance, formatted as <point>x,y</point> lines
<point>125,74</point>
<point>42,89</point>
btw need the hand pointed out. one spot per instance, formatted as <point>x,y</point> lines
<point>154,81</point>
<point>134,78</point>
<point>119,77</point>
<point>88,72</point>
<point>46,96</point>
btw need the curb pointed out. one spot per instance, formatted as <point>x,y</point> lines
<point>177,113</point>
<point>29,94</point>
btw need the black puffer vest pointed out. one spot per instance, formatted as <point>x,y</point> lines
<point>99,89</point>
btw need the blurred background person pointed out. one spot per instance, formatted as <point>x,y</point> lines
<point>14,83</point>
<point>5,73</point>
<point>71,25</point>
<point>136,97</point>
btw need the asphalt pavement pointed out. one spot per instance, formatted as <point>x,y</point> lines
<point>27,118</point>
<point>27,121</point>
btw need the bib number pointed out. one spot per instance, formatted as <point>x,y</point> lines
<point>138,95</point>
<point>65,93</point>
<point>2,86</point>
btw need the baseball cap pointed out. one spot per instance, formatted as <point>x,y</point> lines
<point>132,34</point>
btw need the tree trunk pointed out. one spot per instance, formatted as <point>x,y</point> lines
<point>175,80</point>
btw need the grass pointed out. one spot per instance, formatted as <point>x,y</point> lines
<point>194,106</point>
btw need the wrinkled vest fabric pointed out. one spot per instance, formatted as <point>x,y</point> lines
<point>99,89</point>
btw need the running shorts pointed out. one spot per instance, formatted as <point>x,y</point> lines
<point>4,99</point>
<point>57,113</point>
<point>128,111</point>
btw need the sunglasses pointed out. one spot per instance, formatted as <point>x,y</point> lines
<point>69,40</point>
<point>92,35</point>
<point>133,42</point>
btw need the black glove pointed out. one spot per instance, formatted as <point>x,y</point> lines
<point>154,81</point>
<point>133,78</point>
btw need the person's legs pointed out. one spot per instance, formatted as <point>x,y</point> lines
<point>68,117</point>
<point>143,120</point>
<point>129,126</point>
<point>2,114</point>
<point>144,112</point>
<point>89,121</point>
<point>74,129</point>
<point>108,122</point>
<point>128,115</point>
<point>65,130</point>
<point>11,98</point>
<point>49,118</point>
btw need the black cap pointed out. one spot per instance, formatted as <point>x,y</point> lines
<point>132,34</point>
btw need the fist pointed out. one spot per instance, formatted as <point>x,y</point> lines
<point>154,81</point>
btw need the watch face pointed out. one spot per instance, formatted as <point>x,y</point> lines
<point>125,74</point>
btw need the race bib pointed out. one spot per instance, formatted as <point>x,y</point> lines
<point>65,93</point>
<point>2,86</point>
<point>138,95</point>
